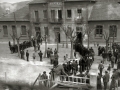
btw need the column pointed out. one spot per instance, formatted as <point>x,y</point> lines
<point>56,14</point>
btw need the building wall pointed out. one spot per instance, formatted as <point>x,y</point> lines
<point>106,25</point>
<point>66,22</point>
<point>9,28</point>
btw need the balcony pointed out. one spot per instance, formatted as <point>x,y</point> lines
<point>57,21</point>
<point>79,20</point>
<point>36,21</point>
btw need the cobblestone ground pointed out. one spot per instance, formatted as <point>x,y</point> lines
<point>21,70</point>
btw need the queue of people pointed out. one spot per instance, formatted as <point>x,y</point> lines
<point>24,45</point>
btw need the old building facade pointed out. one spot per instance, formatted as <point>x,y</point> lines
<point>48,17</point>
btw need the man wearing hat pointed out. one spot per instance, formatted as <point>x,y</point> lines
<point>106,80</point>
<point>44,76</point>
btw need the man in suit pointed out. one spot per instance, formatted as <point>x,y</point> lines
<point>44,76</point>
<point>106,78</point>
<point>40,55</point>
<point>27,55</point>
<point>101,67</point>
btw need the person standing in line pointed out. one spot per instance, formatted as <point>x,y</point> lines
<point>44,77</point>
<point>38,46</point>
<point>27,55</point>
<point>113,83</point>
<point>99,84</point>
<point>23,54</point>
<point>106,78</point>
<point>52,58</point>
<point>75,54</point>
<point>40,55</point>
<point>64,58</point>
<point>112,61</point>
<point>101,67</point>
<point>34,56</point>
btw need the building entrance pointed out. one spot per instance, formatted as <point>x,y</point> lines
<point>79,37</point>
<point>38,32</point>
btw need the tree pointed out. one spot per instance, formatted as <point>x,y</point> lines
<point>71,36</point>
<point>16,35</point>
<point>106,37</point>
<point>57,33</point>
<point>45,38</point>
<point>13,37</point>
<point>88,31</point>
<point>65,29</point>
<point>29,35</point>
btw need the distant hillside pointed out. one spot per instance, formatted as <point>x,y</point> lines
<point>6,8</point>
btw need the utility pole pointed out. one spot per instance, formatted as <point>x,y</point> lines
<point>16,36</point>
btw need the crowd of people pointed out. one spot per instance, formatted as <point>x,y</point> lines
<point>82,66</point>
<point>112,56</point>
<point>22,46</point>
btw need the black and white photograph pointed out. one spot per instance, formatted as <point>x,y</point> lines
<point>59,44</point>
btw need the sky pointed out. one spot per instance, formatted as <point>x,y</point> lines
<point>12,1</point>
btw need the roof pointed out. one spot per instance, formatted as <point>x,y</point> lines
<point>45,1</point>
<point>79,0</point>
<point>105,11</point>
<point>38,1</point>
<point>1,12</point>
<point>21,15</point>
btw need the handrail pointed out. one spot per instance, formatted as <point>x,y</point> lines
<point>35,81</point>
<point>75,77</point>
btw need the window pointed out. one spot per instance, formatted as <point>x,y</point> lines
<point>79,10</point>
<point>36,15</point>
<point>60,14</point>
<point>52,14</point>
<point>79,13</point>
<point>78,29</point>
<point>99,31</point>
<point>69,13</point>
<point>113,31</point>
<point>14,29</point>
<point>5,30</point>
<point>45,13</point>
<point>46,30</point>
<point>23,30</point>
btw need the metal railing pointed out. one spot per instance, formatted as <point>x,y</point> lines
<point>74,79</point>
<point>63,80</point>
<point>79,20</point>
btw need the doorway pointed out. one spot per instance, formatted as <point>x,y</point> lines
<point>79,37</point>
<point>38,32</point>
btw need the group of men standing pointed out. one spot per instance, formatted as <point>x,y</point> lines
<point>22,46</point>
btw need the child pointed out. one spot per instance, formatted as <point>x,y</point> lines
<point>109,68</point>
